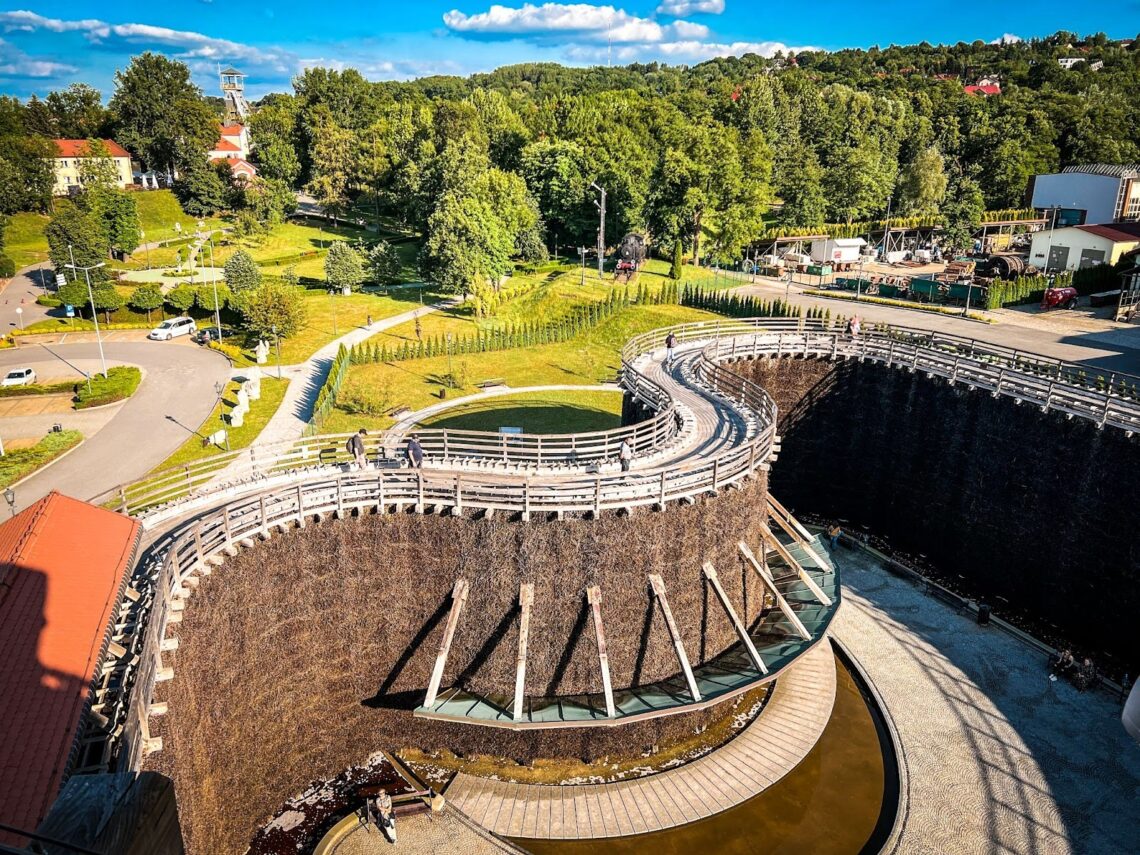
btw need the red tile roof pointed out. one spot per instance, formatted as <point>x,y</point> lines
<point>62,566</point>
<point>1115,232</point>
<point>78,148</point>
<point>237,165</point>
<point>232,130</point>
<point>225,145</point>
<point>988,89</point>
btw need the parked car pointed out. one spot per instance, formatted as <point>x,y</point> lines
<point>19,377</point>
<point>210,333</point>
<point>1063,298</point>
<point>173,327</point>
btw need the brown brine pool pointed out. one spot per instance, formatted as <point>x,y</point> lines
<point>838,801</point>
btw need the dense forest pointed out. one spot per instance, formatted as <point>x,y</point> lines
<point>498,166</point>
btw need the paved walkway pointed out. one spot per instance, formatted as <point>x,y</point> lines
<point>421,834</point>
<point>1000,759</point>
<point>305,380</point>
<point>769,748</point>
<point>20,293</point>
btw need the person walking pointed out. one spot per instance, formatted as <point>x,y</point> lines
<point>853,326</point>
<point>355,447</point>
<point>833,533</point>
<point>625,454</point>
<point>415,452</point>
<point>670,349</point>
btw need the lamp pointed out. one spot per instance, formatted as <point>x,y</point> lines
<point>10,498</point>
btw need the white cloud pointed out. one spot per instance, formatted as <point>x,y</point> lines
<point>194,45</point>
<point>1007,39</point>
<point>586,19</point>
<point>15,63</point>
<point>684,8</point>
<point>691,50</point>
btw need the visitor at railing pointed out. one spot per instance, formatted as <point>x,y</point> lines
<point>415,452</point>
<point>625,455</point>
<point>670,348</point>
<point>355,447</point>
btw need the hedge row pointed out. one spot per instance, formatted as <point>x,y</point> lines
<point>735,306</point>
<point>326,398</point>
<point>1021,290</point>
<point>850,230</point>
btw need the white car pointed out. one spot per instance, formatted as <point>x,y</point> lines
<point>19,377</point>
<point>173,327</point>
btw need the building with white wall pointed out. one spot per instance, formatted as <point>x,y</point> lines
<point>1090,194</point>
<point>1078,247</point>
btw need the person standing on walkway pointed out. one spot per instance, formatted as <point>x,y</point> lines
<point>415,452</point>
<point>356,449</point>
<point>833,533</point>
<point>670,349</point>
<point>625,454</point>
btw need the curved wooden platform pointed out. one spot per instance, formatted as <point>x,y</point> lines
<point>765,752</point>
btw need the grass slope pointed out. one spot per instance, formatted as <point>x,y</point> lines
<point>20,464</point>
<point>536,412</point>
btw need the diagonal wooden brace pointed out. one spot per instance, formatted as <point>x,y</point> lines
<point>458,598</point>
<point>526,600</point>
<point>658,586</point>
<point>594,598</point>
<point>782,551</point>
<point>737,623</point>
<point>781,603</point>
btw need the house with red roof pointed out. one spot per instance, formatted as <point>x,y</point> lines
<point>70,156</point>
<point>233,147</point>
<point>984,90</point>
<point>64,566</point>
<point>1078,247</point>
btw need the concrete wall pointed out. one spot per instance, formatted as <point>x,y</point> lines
<point>1095,194</point>
<point>1030,511</point>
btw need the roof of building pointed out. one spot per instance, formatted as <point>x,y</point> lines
<point>225,145</point>
<point>233,130</point>
<point>78,148</point>
<point>232,70</point>
<point>988,89</point>
<point>1115,232</point>
<point>236,164</point>
<point>1114,170</point>
<point>62,566</point>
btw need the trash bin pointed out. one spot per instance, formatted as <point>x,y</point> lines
<point>984,614</point>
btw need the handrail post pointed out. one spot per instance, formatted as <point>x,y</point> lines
<point>264,514</point>
<point>420,489</point>
<point>597,496</point>
<point>300,506</point>
<point>122,500</point>
<point>446,455</point>
<point>662,489</point>
<point>227,526</point>
<point>716,474</point>
<point>458,493</point>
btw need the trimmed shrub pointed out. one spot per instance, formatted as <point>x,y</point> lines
<point>120,382</point>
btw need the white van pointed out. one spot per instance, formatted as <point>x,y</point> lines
<point>173,327</point>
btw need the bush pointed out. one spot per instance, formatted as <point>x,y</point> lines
<point>18,464</point>
<point>7,267</point>
<point>232,351</point>
<point>49,301</point>
<point>120,382</point>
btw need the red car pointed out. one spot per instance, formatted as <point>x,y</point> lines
<point>1059,298</point>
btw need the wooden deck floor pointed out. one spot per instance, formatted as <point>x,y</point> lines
<point>768,749</point>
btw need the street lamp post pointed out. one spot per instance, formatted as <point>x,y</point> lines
<point>146,247</point>
<point>277,342</point>
<point>601,206</point>
<point>582,252</point>
<point>20,316</point>
<point>214,276</point>
<point>450,373</point>
<point>91,298</point>
<point>220,388</point>
<point>10,498</point>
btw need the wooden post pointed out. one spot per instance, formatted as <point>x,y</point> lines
<point>198,553</point>
<point>783,552</point>
<point>781,603</point>
<point>226,525</point>
<point>458,598</point>
<point>420,491</point>
<point>458,493</point>
<point>597,496</point>
<point>380,494</point>
<point>526,600</point>
<point>300,507</point>
<point>805,543</point>
<point>264,513</point>
<point>658,586</point>
<point>594,598</point>
<point>737,623</point>
<point>662,489</point>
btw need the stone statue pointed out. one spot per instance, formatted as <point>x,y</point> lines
<point>252,384</point>
<point>262,351</point>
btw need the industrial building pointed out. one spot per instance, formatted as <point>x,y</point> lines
<point>1089,194</point>
<point>1078,247</point>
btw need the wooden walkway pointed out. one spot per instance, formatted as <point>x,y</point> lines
<point>768,749</point>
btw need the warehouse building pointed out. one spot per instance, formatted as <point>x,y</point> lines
<point>1091,194</point>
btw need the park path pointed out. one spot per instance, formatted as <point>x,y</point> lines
<point>306,379</point>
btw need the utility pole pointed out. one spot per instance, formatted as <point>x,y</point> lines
<point>582,252</point>
<point>1049,243</point>
<point>91,297</point>
<point>601,206</point>
<point>214,272</point>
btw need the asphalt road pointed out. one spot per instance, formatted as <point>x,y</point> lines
<point>175,397</point>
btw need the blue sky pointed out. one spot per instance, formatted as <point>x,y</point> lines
<point>46,45</point>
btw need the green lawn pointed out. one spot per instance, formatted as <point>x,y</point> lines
<point>655,271</point>
<point>19,464</point>
<point>260,411</point>
<point>589,359</point>
<point>536,412</point>
<point>159,210</point>
<point>24,239</point>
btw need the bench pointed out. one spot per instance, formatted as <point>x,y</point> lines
<point>494,381</point>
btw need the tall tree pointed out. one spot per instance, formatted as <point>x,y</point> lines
<point>241,272</point>
<point>78,112</point>
<point>273,308</point>
<point>334,164</point>
<point>73,232</point>
<point>922,185</point>
<point>160,114</point>
<point>344,267</point>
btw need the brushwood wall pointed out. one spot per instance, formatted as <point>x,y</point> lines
<point>1034,512</point>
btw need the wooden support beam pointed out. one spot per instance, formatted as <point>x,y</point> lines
<point>526,600</point>
<point>594,598</point>
<point>783,552</point>
<point>737,623</point>
<point>790,528</point>
<point>778,506</point>
<point>658,586</point>
<point>458,598</point>
<point>781,603</point>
